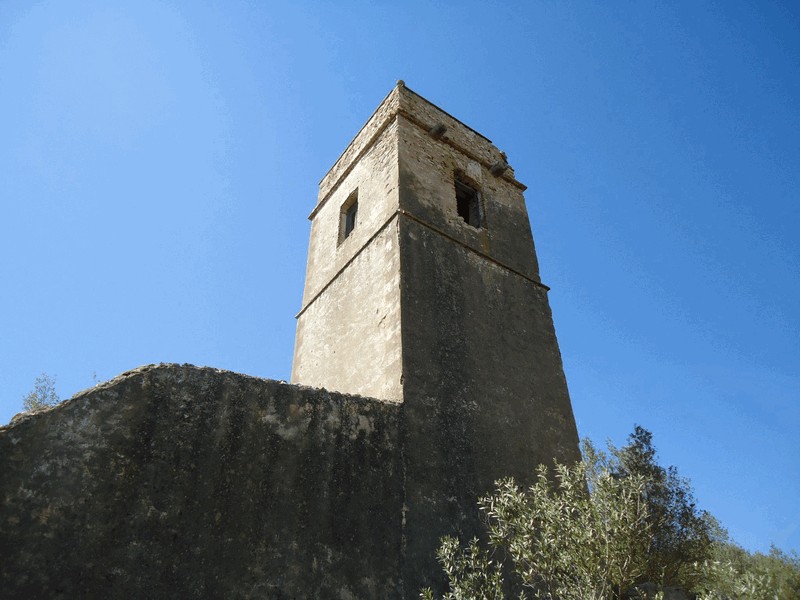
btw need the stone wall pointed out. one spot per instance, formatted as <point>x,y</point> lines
<point>351,300</point>
<point>427,194</point>
<point>182,482</point>
<point>484,389</point>
<point>488,397</point>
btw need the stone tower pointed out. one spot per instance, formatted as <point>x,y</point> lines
<point>423,288</point>
<point>422,292</point>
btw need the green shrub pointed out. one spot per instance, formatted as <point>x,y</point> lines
<point>598,529</point>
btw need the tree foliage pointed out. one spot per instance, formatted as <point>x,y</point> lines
<point>682,534</point>
<point>735,574</point>
<point>561,540</point>
<point>602,536</point>
<point>472,574</point>
<point>43,393</point>
<point>601,528</point>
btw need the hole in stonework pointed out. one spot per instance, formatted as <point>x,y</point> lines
<point>350,219</point>
<point>468,203</point>
<point>348,216</point>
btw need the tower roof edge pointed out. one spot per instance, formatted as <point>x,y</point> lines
<point>402,100</point>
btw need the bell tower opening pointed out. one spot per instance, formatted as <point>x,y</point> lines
<point>468,202</point>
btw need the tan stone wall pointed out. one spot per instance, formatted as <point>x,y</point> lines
<point>348,339</point>
<point>195,483</point>
<point>458,133</point>
<point>484,393</point>
<point>364,138</point>
<point>427,168</point>
<point>376,179</point>
<point>449,319</point>
<point>348,330</point>
<point>484,389</point>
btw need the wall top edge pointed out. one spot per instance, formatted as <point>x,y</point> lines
<point>400,100</point>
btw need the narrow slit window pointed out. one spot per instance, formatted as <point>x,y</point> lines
<point>348,217</point>
<point>468,203</point>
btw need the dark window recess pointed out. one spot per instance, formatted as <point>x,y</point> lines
<point>468,203</point>
<point>348,216</point>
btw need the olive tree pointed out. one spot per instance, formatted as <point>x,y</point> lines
<point>578,533</point>
<point>600,529</point>
<point>593,530</point>
<point>43,393</point>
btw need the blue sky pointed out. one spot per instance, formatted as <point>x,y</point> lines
<point>158,161</point>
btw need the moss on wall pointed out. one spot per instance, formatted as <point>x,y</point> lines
<point>184,482</point>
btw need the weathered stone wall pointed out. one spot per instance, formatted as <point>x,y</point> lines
<point>183,482</point>
<point>484,389</point>
<point>175,481</point>
<point>351,302</point>
<point>427,170</point>
<point>450,319</point>
<point>375,177</point>
<point>460,134</point>
<point>488,397</point>
<point>357,316</point>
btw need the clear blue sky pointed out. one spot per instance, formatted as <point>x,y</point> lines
<point>158,161</point>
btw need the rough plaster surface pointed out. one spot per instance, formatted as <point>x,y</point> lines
<point>351,301</point>
<point>357,316</point>
<point>426,171</point>
<point>176,481</point>
<point>375,178</point>
<point>488,396</point>
<point>183,482</point>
